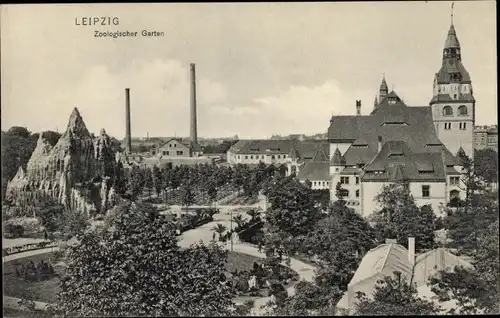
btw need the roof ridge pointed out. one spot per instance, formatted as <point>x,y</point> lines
<point>387,255</point>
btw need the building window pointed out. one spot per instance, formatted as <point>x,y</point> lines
<point>357,180</point>
<point>284,156</point>
<point>426,191</point>
<point>251,157</point>
<point>246,157</point>
<point>344,193</point>
<point>238,157</point>
<point>180,152</point>
<point>314,183</point>
<point>344,180</point>
<point>447,111</point>
<point>357,193</point>
<point>168,153</point>
<point>294,169</point>
<point>170,145</point>
<point>272,157</point>
<point>454,180</point>
<point>464,126</point>
<point>462,110</point>
<point>175,145</point>
<point>447,126</point>
<point>164,152</point>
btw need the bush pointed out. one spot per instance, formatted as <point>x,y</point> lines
<point>30,225</point>
<point>15,230</point>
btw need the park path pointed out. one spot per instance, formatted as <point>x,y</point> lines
<point>204,233</point>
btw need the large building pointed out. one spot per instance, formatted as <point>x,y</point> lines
<point>416,145</point>
<point>486,137</point>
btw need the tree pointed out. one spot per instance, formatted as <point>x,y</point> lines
<point>73,223</point>
<point>254,214</point>
<point>339,241</point>
<point>136,268</point>
<point>219,229</point>
<point>22,132</point>
<point>50,213</point>
<point>238,219</point>
<point>393,296</point>
<point>187,195</point>
<point>148,180</point>
<point>476,290</point>
<point>157,180</point>
<point>469,178</point>
<point>400,218</point>
<point>136,181</point>
<point>212,192</point>
<point>486,164</point>
<point>291,207</point>
<point>119,180</point>
<point>464,224</point>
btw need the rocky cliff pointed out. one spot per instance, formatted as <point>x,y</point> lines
<point>75,163</point>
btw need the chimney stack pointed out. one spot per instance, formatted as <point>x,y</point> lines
<point>193,129</point>
<point>411,250</point>
<point>128,134</point>
<point>379,143</point>
<point>358,107</point>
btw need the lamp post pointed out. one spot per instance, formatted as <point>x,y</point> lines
<point>231,231</point>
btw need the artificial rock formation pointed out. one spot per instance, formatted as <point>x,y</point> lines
<point>66,170</point>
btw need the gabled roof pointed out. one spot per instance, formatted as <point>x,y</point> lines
<point>320,155</point>
<point>429,263</point>
<point>416,128</point>
<point>398,162</point>
<point>315,171</point>
<point>385,258</point>
<point>306,149</point>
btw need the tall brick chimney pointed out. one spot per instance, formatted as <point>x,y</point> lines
<point>193,130</point>
<point>128,133</point>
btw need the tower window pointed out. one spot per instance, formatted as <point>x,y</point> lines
<point>462,110</point>
<point>447,111</point>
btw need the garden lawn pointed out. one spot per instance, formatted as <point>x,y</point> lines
<point>8,312</point>
<point>46,291</point>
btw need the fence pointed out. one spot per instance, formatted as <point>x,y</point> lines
<point>27,247</point>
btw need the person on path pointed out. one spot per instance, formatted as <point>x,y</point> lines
<point>260,246</point>
<point>45,235</point>
<point>213,236</point>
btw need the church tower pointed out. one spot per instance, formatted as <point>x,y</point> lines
<point>453,103</point>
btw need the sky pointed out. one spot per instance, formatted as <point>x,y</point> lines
<point>261,68</point>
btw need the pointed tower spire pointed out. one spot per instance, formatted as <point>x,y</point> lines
<point>384,90</point>
<point>452,5</point>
